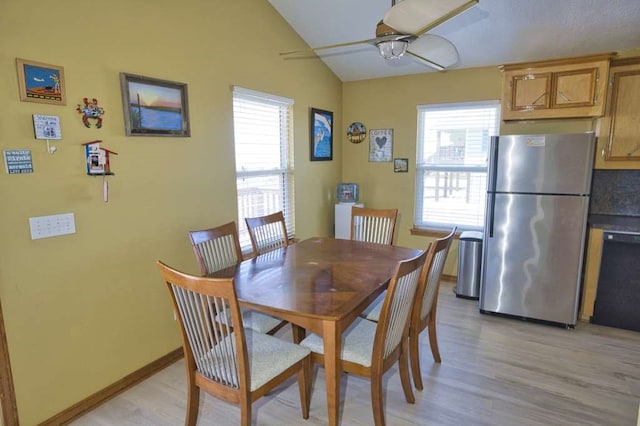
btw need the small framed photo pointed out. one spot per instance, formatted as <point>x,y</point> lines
<point>154,107</point>
<point>400,165</point>
<point>40,82</point>
<point>381,145</point>
<point>321,135</point>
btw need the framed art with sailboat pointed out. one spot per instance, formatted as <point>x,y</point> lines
<point>154,107</point>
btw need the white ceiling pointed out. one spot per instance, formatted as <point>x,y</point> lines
<point>493,32</point>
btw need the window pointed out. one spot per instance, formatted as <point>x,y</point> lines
<point>262,130</point>
<point>453,145</point>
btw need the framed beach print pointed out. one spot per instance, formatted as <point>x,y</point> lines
<point>154,107</point>
<point>321,135</point>
<point>380,145</point>
<point>40,82</point>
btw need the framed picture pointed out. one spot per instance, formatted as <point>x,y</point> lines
<point>40,82</point>
<point>321,135</point>
<point>381,145</point>
<point>400,165</point>
<point>154,107</point>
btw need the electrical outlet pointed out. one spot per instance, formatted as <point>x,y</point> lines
<point>52,226</point>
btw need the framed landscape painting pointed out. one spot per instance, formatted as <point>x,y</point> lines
<point>321,135</point>
<point>154,107</point>
<point>40,82</point>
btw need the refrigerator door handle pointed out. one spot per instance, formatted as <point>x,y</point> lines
<point>492,183</point>
<point>492,208</point>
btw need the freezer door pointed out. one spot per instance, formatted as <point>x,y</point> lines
<point>548,164</point>
<point>532,261</point>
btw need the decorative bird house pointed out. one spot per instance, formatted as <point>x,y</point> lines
<point>97,158</point>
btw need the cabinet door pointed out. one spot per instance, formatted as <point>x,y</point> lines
<point>624,137</point>
<point>530,91</point>
<point>575,88</point>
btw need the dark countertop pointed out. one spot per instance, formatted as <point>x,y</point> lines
<point>615,223</point>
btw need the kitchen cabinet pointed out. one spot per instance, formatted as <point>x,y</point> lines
<point>619,129</point>
<point>591,273</point>
<point>560,88</point>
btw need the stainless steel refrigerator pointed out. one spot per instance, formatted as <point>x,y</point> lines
<point>537,203</point>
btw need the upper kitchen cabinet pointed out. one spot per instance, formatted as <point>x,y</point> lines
<point>559,88</point>
<point>619,130</point>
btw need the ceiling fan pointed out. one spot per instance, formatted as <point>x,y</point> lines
<point>403,31</point>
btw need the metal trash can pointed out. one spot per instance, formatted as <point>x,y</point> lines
<point>469,265</point>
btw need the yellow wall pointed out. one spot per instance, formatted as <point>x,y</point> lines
<point>84,310</point>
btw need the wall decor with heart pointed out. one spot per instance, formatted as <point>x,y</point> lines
<point>380,145</point>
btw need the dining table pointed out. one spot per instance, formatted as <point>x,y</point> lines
<point>319,285</point>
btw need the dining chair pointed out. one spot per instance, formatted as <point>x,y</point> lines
<point>370,349</point>
<point>267,232</point>
<point>219,248</point>
<point>424,310</point>
<point>224,359</point>
<point>373,225</point>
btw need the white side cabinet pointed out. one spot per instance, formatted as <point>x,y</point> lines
<point>343,220</point>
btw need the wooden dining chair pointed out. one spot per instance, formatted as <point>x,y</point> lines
<point>267,232</point>
<point>219,248</point>
<point>373,225</point>
<point>370,349</point>
<point>424,310</point>
<point>224,359</point>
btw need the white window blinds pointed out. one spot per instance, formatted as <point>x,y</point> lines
<point>262,128</point>
<point>451,169</point>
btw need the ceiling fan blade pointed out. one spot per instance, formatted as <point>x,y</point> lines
<point>331,46</point>
<point>434,51</point>
<point>419,16</point>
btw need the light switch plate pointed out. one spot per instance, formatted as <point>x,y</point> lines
<point>52,226</point>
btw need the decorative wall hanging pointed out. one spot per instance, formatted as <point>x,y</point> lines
<point>40,82</point>
<point>381,145</point>
<point>321,135</point>
<point>47,127</point>
<point>91,110</point>
<point>17,161</point>
<point>154,107</point>
<point>400,165</point>
<point>97,158</point>
<point>356,132</point>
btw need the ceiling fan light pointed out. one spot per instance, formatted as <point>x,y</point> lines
<point>392,49</point>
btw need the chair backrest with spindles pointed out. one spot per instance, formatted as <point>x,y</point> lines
<point>393,324</point>
<point>267,232</point>
<point>373,225</point>
<point>216,248</point>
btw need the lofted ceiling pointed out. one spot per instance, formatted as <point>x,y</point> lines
<point>493,32</point>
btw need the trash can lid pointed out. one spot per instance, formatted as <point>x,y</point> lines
<point>471,236</point>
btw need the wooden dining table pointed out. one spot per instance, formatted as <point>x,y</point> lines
<point>320,285</point>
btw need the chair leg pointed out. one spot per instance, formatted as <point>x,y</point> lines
<point>304,385</point>
<point>414,354</point>
<point>193,403</point>
<point>433,338</point>
<point>376,399</point>
<point>245,411</point>
<point>403,363</point>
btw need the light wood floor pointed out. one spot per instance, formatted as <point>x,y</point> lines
<point>494,371</point>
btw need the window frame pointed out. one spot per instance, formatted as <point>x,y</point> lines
<point>285,170</point>
<point>422,167</point>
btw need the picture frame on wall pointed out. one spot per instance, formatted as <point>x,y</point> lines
<point>40,82</point>
<point>321,135</point>
<point>154,107</point>
<point>380,145</point>
<point>400,165</point>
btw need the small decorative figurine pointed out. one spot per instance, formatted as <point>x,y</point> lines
<point>91,110</point>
